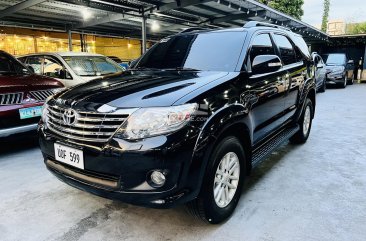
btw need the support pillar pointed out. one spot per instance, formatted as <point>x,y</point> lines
<point>69,36</point>
<point>143,33</point>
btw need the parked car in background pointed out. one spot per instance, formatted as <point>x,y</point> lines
<point>71,68</point>
<point>22,95</point>
<point>320,72</point>
<point>188,123</point>
<point>123,64</point>
<point>340,69</point>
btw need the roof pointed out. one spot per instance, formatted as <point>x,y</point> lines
<point>63,54</point>
<point>164,17</point>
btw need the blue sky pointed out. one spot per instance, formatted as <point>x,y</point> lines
<point>348,10</point>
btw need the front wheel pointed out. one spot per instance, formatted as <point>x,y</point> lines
<point>305,123</point>
<point>222,184</point>
<point>323,87</point>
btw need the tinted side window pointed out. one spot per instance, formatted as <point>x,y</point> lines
<point>9,64</point>
<point>286,49</point>
<point>6,65</point>
<point>262,45</point>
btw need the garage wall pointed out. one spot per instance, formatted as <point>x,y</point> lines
<point>20,41</point>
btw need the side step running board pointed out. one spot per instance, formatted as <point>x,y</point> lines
<point>268,147</point>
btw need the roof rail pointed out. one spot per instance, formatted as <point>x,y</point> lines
<point>193,29</point>
<point>251,24</point>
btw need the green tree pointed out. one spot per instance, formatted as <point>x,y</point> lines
<point>325,15</point>
<point>356,28</point>
<point>290,7</point>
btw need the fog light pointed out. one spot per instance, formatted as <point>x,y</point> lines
<point>158,178</point>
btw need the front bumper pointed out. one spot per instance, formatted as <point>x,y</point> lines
<point>335,78</point>
<point>120,169</point>
<point>17,130</point>
<point>10,122</point>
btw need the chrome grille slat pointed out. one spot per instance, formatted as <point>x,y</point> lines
<point>11,98</point>
<point>78,138</point>
<point>85,133</point>
<point>86,126</point>
<point>41,95</point>
<point>89,126</point>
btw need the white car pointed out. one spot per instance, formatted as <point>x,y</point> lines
<point>71,68</point>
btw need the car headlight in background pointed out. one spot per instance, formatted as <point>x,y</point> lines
<point>147,122</point>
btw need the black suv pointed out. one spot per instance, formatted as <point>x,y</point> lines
<point>188,123</point>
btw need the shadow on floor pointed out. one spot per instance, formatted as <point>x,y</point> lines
<point>266,165</point>
<point>19,142</point>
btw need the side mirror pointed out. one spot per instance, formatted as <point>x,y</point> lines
<point>266,64</point>
<point>350,62</point>
<point>67,74</point>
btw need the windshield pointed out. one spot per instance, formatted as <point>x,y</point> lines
<point>92,65</point>
<point>218,51</point>
<point>9,65</point>
<point>334,59</point>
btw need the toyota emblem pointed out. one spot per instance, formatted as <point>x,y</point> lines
<point>69,117</point>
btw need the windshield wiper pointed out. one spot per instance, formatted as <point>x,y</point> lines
<point>183,69</point>
<point>144,68</point>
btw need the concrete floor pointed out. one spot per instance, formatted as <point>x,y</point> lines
<point>316,191</point>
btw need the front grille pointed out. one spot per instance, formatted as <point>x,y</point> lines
<point>89,127</point>
<point>41,95</point>
<point>11,98</point>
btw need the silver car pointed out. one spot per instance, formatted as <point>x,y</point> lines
<point>71,68</point>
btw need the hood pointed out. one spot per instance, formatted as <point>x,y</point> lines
<point>89,78</point>
<point>332,68</point>
<point>23,83</point>
<point>133,89</point>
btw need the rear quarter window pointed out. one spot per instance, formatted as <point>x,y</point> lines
<point>300,43</point>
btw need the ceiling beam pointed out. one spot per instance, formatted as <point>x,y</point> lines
<point>178,5</point>
<point>18,7</point>
<point>106,19</point>
<point>104,5</point>
<point>239,16</point>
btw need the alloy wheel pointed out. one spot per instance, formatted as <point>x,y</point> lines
<point>226,179</point>
<point>307,120</point>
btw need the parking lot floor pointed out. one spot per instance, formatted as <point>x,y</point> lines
<point>315,191</point>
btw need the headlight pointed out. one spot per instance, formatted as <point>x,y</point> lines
<point>45,112</point>
<point>147,122</point>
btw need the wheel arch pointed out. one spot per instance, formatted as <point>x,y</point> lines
<point>312,96</point>
<point>236,123</point>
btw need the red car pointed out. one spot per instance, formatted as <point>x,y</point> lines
<point>22,94</point>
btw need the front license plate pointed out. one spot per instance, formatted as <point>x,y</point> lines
<point>30,112</point>
<point>70,156</point>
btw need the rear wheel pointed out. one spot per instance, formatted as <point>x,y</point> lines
<point>344,84</point>
<point>352,80</point>
<point>305,123</point>
<point>323,87</point>
<point>222,184</point>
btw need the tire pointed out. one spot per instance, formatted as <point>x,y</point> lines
<point>352,80</point>
<point>302,135</point>
<point>323,87</point>
<point>344,84</point>
<point>205,206</point>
